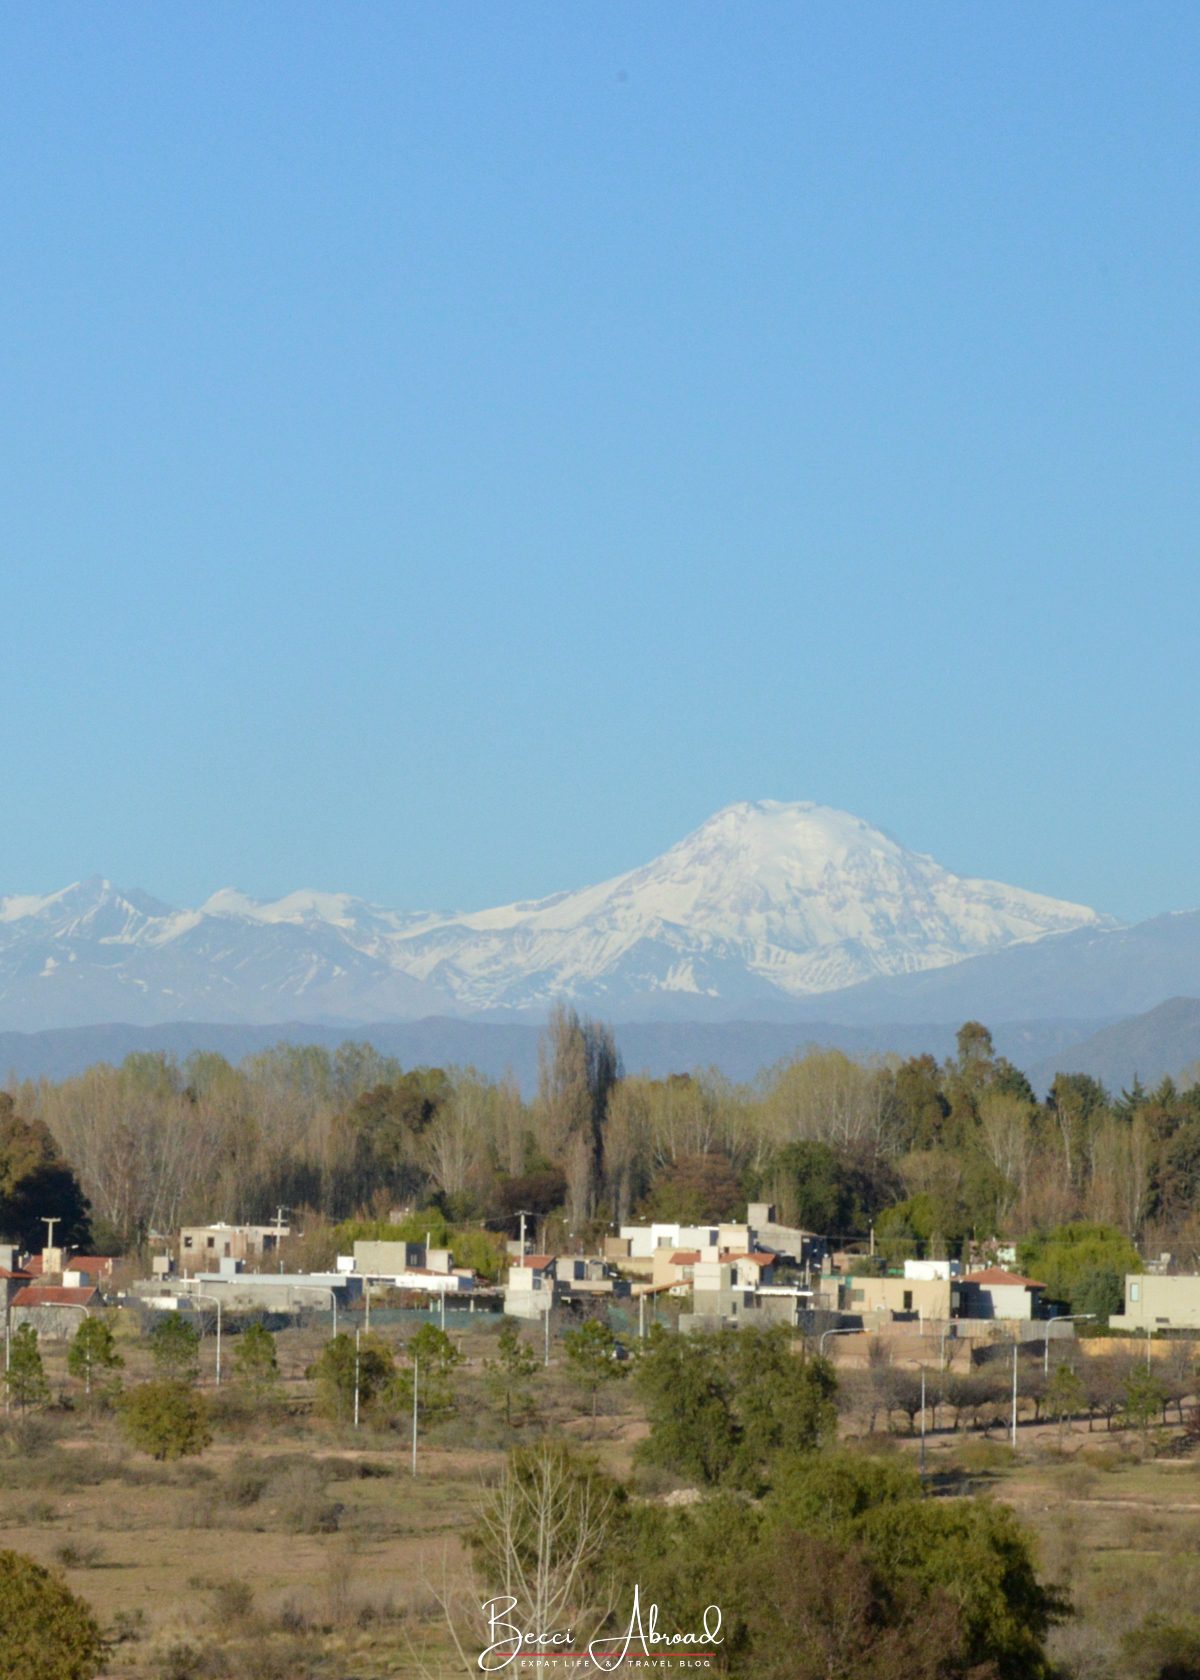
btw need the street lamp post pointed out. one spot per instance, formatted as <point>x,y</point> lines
<point>325,1290</point>
<point>1064,1318</point>
<point>825,1334</point>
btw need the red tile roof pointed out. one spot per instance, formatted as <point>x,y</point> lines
<point>7,1274</point>
<point>536,1262</point>
<point>53,1295</point>
<point>996,1275</point>
<point>685,1257</point>
<point>102,1263</point>
<point>755,1256</point>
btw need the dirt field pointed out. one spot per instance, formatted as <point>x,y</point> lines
<point>300,1552</point>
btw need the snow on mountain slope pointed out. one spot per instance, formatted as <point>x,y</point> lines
<point>764,898</point>
<point>763,903</point>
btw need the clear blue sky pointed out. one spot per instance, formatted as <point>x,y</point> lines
<point>450,450</point>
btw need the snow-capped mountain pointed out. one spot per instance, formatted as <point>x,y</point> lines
<point>763,900</point>
<point>764,904</point>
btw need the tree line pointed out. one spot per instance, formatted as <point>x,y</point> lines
<point>930,1154</point>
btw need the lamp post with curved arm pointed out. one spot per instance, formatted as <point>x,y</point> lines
<point>825,1334</point>
<point>324,1289</point>
<point>1064,1318</point>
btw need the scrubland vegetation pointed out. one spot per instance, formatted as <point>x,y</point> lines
<point>260,1534</point>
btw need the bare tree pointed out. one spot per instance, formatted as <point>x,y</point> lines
<point>541,1537</point>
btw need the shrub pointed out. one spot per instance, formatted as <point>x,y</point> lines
<point>48,1633</point>
<point>245,1483</point>
<point>302,1503</point>
<point>166,1419</point>
<point>78,1554</point>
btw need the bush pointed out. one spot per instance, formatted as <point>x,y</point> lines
<point>166,1419</point>
<point>245,1483</point>
<point>302,1503</point>
<point>75,1554</point>
<point>48,1633</point>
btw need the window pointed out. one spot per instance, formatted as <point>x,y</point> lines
<point>187,1242</point>
<point>908,1300</point>
<point>1135,1291</point>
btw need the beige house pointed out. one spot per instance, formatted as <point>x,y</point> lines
<point>1159,1303</point>
<point>918,1298</point>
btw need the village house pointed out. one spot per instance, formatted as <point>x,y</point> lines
<point>530,1289</point>
<point>53,1310</point>
<point>407,1265</point>
<point>202,1247</point>
<point>83,1271</point>
<point>996,1293</point>
<point>1154,1302</point>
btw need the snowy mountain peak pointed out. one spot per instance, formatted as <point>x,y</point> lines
<point>766,901</point>
<point>763,899</point>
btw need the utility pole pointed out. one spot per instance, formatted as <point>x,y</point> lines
<point>442,1293</point>
<point>546,1327</point>
<point>642,1315</point>
<point>357,1334</point>
<point>416,1381</point>
<point>522,1215</point>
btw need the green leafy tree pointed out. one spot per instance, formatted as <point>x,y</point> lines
<point>1144,1398</point>
<point>92,1357</point>
<point>434,1359</point>
<point>829,1612</point>
<point>690,1400</point>
<point>26,1376</point>
<point>591,1358</point>
<point>820,1189</point>
<point>510,1373</point>
<point>721,1406</point>
<point>46,1633</point>
<point>1077,1263</point>
<point>167,1419</point>
<point>256,1365</point>
<point>972,1552</point>
<point>36,1183</point>
<point>175,1348</point>
<point>784,1397</point>
<point>341,1365</point>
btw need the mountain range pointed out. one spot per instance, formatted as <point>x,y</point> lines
<point>765,908</point>
<point>771,927</point>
